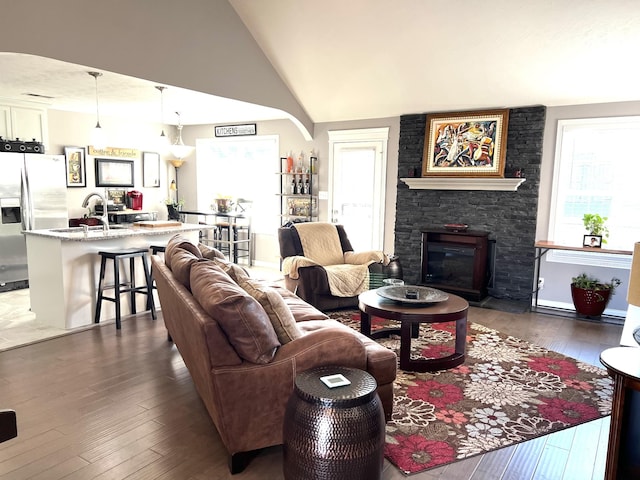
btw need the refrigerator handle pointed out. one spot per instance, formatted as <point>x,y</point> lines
<point>25,202</point>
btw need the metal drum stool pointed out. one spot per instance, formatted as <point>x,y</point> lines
<point>129,287</point>
<point>334,433</point>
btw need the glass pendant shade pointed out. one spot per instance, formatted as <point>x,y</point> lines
<point>179,149</point>
<point>163,143</point>
<point>98,138</point>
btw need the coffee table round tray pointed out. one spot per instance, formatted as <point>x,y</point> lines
<point>424,294</point>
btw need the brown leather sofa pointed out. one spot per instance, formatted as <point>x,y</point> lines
<point>241,369</point>
<point>313,284</point>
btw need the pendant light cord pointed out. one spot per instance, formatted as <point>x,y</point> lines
<point>95,75</point>
<point>161,108</point>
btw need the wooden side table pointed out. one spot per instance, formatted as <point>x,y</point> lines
<point>623,454</point>
<point>334,433</point>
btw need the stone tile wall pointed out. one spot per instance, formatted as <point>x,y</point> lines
<point>510,217</point>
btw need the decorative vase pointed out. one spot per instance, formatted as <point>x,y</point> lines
<point>590,302</point>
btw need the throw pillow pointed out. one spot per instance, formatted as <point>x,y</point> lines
<point>181,263</point>
<point>179,242</point>
<point>243,320</point>
<point>210,252</point>
<point>236,272</point>
<point>279,314</point>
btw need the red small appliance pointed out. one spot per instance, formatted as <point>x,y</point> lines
<point>134,200</point>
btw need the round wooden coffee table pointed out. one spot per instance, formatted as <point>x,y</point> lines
<point>410,316</point>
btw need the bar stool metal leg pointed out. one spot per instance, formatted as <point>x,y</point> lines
<point>147,274</point>
<point>96,318</point>
<point>116,279</point>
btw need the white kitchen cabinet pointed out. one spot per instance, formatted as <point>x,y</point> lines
<point>23,122</point>
<point>5,122</point>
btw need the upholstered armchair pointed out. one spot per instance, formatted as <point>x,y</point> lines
<point>320,266</point>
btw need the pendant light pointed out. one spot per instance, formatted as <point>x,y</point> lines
<point>163,141</point>
<point>98,137</point>
<point>179,149</point>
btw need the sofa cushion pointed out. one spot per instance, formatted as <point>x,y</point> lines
<point>243,320</point>
<point>279,314</point>
<point>210,252</point>
<point>236,272</point>
<point>179,242</point>
<point>181,263</point>
<point>301,310</point>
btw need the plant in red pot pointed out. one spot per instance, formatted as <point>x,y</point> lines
<point>590,295</point>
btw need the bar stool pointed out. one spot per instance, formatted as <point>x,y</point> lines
<point>116,256</point>
<point>155,249</point>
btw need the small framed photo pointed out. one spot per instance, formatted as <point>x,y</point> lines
<point>75,165</point>
<point>594,241</point>
<point>150,169</point>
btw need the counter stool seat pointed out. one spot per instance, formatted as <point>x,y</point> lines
<point>155,249</point>
<point>121,287</point>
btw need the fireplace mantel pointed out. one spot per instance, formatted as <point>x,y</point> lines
<point>448,183</point>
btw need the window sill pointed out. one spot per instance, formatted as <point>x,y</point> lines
<point>447,183</point>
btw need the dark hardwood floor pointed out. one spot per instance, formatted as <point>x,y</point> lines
<point>113,405</point>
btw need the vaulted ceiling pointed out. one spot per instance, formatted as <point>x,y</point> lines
<point>358,59</point>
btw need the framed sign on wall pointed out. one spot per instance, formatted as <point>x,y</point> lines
<point>114,173</point>
<point>150,169</point>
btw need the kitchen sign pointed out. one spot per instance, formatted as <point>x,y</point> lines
<point>235,130</point>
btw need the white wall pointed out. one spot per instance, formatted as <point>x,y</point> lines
<point>73,129</point>
<point>267,250</point>
<point>558,275</point>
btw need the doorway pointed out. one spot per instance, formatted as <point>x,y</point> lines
<point>357,176</point>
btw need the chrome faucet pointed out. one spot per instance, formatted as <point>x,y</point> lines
<point>104,218</point>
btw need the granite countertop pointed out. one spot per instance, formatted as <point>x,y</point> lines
<point>77,234</point>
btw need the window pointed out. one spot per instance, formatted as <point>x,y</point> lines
<point>597,168</point>
<point>241,167</point>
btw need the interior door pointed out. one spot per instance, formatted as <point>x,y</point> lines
<point>356,190</point>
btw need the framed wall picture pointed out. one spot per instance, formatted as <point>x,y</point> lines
<point>114,173</point>
<point>465,144</point>
<point>75,163</point>
<point>150,169</point>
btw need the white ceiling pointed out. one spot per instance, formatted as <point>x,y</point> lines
<point>357,59</point>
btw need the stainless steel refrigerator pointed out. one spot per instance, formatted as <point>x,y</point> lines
<point>33,196</point>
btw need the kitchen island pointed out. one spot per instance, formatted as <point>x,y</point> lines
<point>64,267</point>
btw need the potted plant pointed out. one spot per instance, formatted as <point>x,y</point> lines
<point>594,223</point>
<point>590,295</point>
<point>173,209</point>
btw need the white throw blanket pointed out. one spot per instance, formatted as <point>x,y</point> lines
<point>347,273</point>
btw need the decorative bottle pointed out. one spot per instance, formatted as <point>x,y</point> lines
<point>290,162</point>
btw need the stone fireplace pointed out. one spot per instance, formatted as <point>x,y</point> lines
<point>509,217</point>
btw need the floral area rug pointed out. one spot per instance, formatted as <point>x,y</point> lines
<point>507,391</point>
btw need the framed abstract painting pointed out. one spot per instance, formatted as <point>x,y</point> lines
<point>465,144</point>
